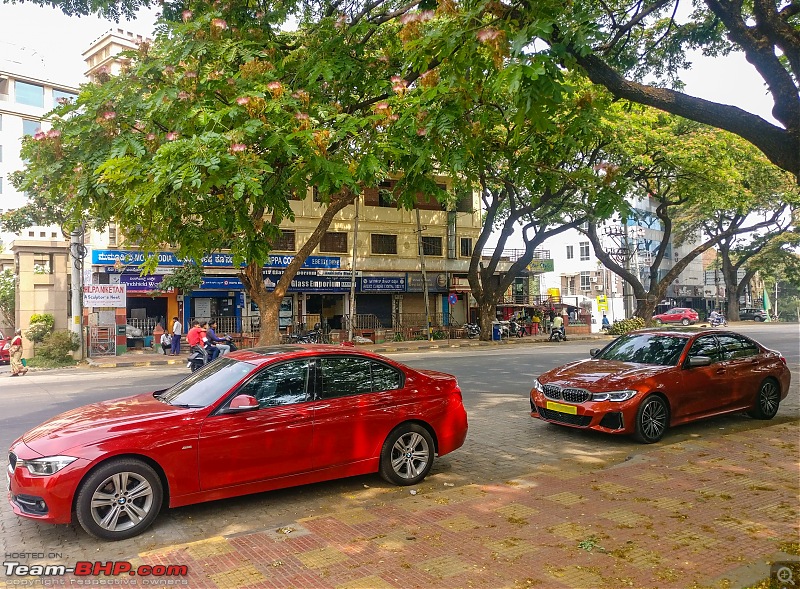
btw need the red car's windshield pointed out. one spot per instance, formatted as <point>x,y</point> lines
<point>202,388</point>
<point>645,348</point>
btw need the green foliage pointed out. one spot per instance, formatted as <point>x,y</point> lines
<point>57,346</point>
<point>626,325</point>
<point>184,279</point>
<point>8,286</point>
<point>41,325</point>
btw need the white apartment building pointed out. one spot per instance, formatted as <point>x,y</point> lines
<point>26,96</point>
<point>579,275</point>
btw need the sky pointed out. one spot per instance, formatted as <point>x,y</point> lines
<point>55,43</point>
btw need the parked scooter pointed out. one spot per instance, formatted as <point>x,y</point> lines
<point>472,330</point>
<point>515,329</point>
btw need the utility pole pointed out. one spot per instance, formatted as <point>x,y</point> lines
<point>353,278</point>
<point>424,277</point>
<point>77,252</point>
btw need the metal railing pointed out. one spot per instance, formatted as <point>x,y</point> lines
<point>363,321</point>
<point>147,325</point>
<point>224,324</point>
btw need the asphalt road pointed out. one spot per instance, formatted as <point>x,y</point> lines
<point>504,442</point>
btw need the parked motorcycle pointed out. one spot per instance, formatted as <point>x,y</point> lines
<point>472,330</point>
<point>515,329</point>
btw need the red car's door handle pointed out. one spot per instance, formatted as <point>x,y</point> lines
<point>721,371</point>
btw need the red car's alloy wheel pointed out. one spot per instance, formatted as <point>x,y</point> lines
<point>407,455</point>
<point>119,500</point>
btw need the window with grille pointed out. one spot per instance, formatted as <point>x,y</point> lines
<point>584,251</point>
<point>432,246</point>
<point>466,247</point>
<point>42,263</point>
<point>285,242</point>
<point>334,242</point>
<point>586,281</point>
<point>384,244</point>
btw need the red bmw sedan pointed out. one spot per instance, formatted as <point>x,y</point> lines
<point>646,381</point>
<point>251,421</point>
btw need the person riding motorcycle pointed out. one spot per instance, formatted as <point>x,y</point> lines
<point>716,318</point>
<point>220,343</point>
<point>558,325</point>
<point>196,339</point>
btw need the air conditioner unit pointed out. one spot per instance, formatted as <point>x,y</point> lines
<point>598,287</point>
<point>594,278</point>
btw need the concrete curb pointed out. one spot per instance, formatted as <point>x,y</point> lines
<point>131,360</point>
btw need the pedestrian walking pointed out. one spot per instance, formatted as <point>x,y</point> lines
<point>175,345</point>
<point>15,351</point>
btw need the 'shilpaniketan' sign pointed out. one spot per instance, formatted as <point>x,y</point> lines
<point>104,295</point>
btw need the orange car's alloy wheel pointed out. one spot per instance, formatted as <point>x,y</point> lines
<point>652,419</point>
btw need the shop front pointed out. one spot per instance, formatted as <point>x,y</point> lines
<point>378,296</point>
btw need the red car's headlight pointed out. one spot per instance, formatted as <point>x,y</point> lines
<point>613,396</point>
<point>47,465</point>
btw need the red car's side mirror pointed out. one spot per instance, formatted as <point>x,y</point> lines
<point>242,403</point>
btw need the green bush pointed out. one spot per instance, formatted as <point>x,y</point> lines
<point>626,325</point>
<point>41,325</point>
<point>57,346</point>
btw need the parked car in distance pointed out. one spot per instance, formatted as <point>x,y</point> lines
<point>682,315</point>
<point>646,381</point>
<point>749,314</point>
<point>251,421</point>
<point>5,355</point>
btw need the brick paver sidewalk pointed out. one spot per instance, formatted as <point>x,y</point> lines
<point>688,515</point>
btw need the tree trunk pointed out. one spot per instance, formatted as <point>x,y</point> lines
<point>646,306</point>
<point>268,309</point>
<point>487,314</point>
<point>269,302</point>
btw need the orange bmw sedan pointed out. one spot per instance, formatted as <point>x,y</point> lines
<point>649,380</point>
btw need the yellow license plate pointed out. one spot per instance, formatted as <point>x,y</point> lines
<point>571,409</point>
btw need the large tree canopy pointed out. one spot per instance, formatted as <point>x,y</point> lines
<point>689,177</point>
<point>637,50</point>
<point>634,48</point>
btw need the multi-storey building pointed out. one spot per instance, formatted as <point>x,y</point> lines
<point>388,286</point>
<point>24,101</point>
<point>579,273</point>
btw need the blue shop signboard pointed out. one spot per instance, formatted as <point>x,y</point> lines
<point>383,284</point>
<point>307,283</point>
<point>221,283</point>
<point>135,282</point>
<point>135,258</point>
